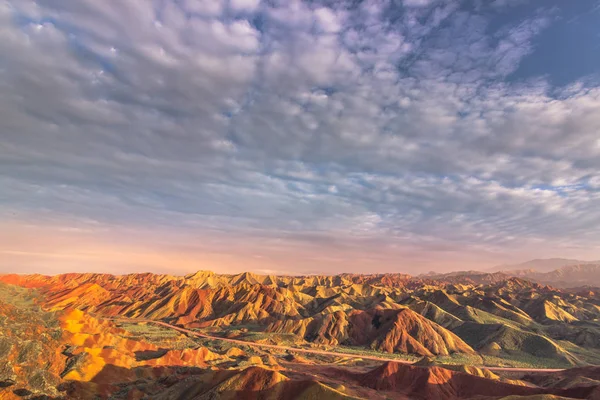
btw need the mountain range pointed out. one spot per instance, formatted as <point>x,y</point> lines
<point>207,335</point>
<point>541,265</point>
<point>557,272</point>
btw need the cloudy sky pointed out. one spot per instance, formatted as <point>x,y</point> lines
<point>314,136</point>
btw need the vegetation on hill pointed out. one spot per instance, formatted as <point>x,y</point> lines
<point>84,336</point>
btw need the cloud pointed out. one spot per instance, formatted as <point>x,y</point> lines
<point>244,5</point>
<point>292,133</point>
<point>204,7</point>
<point>417,3</point>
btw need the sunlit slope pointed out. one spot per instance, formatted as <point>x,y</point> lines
<point>492,315</point>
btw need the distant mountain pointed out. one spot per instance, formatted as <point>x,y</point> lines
<point>541,265</point>
<point>467,277</point>
<point>569,276</point>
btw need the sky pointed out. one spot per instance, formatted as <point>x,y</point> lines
<point>297,137</point>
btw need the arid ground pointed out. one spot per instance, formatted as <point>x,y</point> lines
<point>210,336</point>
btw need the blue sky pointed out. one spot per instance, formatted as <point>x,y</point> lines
<point>297,136</point>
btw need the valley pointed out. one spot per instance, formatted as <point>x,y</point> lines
<point>205,335</point>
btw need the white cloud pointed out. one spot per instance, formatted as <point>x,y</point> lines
<point>328,20</point>
<point>206,7</point>
<point>318,126</point>
<point>244,5</point>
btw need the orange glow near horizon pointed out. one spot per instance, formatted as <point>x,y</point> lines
<point>51,249</point>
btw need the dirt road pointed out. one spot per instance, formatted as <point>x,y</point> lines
<point>313,351</point>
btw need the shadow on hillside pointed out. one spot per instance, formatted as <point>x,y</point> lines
<point>187,383</point>
<point>438,383</point>
<point>145,355</point>
<point>116,382</point>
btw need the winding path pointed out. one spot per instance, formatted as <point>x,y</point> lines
<point>312,351</point>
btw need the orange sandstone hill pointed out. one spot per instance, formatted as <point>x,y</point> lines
<point>87,336</point>
<point>505,317</point>
<point>402,330</point>
<point>30,349</point>
<point>441,383</point>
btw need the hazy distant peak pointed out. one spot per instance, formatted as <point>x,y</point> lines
<point>541,265</point>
